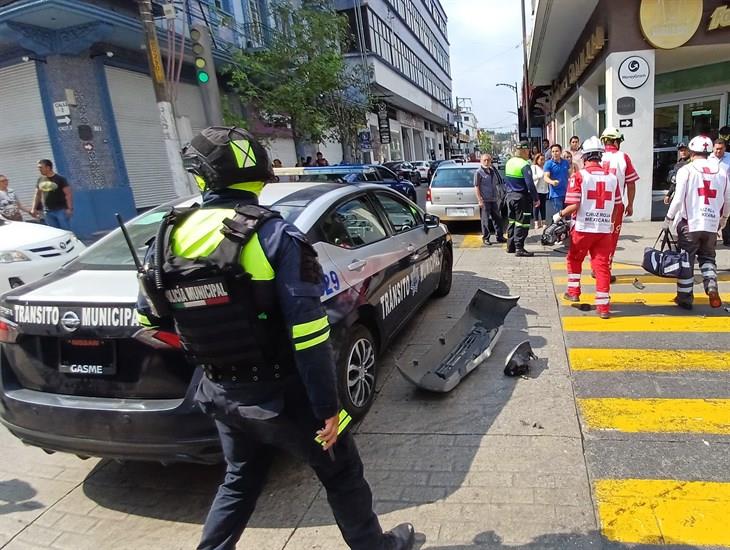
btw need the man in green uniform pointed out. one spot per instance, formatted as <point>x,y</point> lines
<point>521,199</point>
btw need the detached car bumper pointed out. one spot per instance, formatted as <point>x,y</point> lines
<point>156,430</point>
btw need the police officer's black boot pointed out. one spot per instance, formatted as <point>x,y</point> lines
<point>401,537</point>
<point>522,253</point>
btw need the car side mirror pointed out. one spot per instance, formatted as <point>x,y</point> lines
<point>431,221</point>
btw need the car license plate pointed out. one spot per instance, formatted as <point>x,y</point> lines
<point>87,357</point>
<point>459,212</point>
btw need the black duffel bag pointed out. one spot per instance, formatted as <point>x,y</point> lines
<point>667,260</point>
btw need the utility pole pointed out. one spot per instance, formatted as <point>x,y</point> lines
<point>458,125</point>
<point>526,89</point>
<point>517,103</point>
<point>180,180</point>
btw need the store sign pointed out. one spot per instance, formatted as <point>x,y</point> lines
<point>720,18</point>
<point>579,64</point>
<point>383,124</point>
<point>669,25</point>
<point>633,72</point>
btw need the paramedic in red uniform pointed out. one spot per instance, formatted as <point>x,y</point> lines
<point>699,209</point>
<point>620,165</point>
<point>593,196</point>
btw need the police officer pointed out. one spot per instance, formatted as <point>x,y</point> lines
<point>521,199</point>
<point>700,207</point>
<point>242,288</point>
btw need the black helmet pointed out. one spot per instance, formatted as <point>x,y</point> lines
<point>223,156</point>
<point>555,233</point>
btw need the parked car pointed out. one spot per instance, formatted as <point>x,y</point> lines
<point>451,194</point>
<point>422,166</point>
<point>350,173</point>
<point>29,251</point>
<point>433,165</point>
<point>405,170</point>
<point>79,375</point>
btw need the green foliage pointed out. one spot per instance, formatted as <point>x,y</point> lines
<point>485,141</point>
<point>302,73</point>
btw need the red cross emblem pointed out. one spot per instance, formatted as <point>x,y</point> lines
<point>706,191</point>
<point>600,195</point>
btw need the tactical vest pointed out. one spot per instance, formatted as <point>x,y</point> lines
<point>227,322</point>
<point>513,178</point>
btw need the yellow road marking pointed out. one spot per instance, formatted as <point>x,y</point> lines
<point>707,416</point>
<point>616,265</point>
<point>648,298</point>
<point>658,511</point>
<point>586,279</point>
<point>648,360</point>
<point>472,241</point>
<point>593,323</point>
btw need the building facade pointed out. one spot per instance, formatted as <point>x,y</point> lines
<point>659,70</point>
<point>406,45</point>
<point>76,89</point>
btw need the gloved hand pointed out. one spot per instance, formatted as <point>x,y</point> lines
<point>666,224</point>
<point>557,217</point>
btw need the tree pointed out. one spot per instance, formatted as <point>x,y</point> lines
<point>485,141</point>
<point>302,75</point>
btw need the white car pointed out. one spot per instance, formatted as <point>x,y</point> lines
<point>451,194</point>
<point>422,166</point>
<point>30,251</point>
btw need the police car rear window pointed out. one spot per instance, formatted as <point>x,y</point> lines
<point>454,177</point>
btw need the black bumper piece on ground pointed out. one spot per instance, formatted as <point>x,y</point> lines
<point>464,347</point>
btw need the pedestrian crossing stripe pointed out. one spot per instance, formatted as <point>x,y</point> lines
<point>650,415</point>
<point>638,298</point>
<point>662,512</point>
<point>561,266</point>
<point>646,323</point>
<point>472,241</point>
<point>586,279</point>
<point>648,360</point>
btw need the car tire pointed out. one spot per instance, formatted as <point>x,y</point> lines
<point>357,371</point>
<point>447,268</point>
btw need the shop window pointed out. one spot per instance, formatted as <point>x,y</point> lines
<point>702,117</point>
<point>666,124</point>
<point>601,121</point>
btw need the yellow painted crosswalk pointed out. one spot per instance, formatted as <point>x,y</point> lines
<point>648,360</point>
<point>664,511</point>
<point>651,511</point>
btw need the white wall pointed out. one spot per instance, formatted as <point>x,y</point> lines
<point>282,149</point>
<point>639,138</point>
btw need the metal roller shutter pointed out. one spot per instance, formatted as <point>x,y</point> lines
<point>23,131</point>
<point>138,124</point>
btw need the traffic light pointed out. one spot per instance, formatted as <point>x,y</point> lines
<point>201,53</point>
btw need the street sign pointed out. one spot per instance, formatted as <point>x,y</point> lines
<point>383,124</point>
<point>365,140</point>
<point>626,123</point>
<point>60,109</point>
<point>65,120</point>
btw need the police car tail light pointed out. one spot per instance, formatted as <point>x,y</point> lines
<point>8,332</point>
<point>160,339</point>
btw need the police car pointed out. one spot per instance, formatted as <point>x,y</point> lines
<point>78,374</point>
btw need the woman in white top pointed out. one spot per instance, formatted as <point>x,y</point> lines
<point>538,176</point>
<point>10,206</point>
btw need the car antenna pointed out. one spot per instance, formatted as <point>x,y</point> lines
<point>137,263</point>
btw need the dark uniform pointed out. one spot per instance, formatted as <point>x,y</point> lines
<point>242,288</point>
<point>521,195</point>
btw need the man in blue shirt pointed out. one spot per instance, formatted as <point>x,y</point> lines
<point>557,171</point>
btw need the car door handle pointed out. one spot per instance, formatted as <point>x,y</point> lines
<point>357,265</point>
<point>410,247</point>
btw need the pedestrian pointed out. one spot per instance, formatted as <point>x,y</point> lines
<point>699,209</point>
<point>53,195</point>
<point>546,147</point>
<point>268,314</point>
<point>10,205</point>
<point>521,199</point>
<point>576,152</point>
<point>722,157</point>
<point>486,187</point>
<point>682,159</point>
<point>301,162</point>
<point>567,155</point>
<point>533,154</point>
<point>538,176</point>
<point>619,164</point>
<point>591,198</point>
<point>321,161</point>
<point>309,162</point>
<point>277,163</point>
<point>556,174</point>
